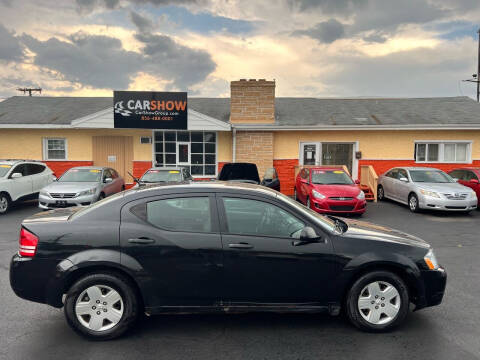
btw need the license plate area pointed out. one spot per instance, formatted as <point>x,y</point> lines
<point>61,203</point>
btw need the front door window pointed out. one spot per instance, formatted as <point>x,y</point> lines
<point>310,153</point>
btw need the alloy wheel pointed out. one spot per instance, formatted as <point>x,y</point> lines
<point>99,308</point>
<point>380,193</point>
<point>379,302</point>
<point>3,204</point>
<point>413,203</point>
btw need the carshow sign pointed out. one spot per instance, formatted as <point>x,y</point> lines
<point>150,110</point>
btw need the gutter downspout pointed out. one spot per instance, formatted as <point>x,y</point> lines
<point>234,145</point>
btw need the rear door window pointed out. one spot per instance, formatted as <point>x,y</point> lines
<point>192,214</point>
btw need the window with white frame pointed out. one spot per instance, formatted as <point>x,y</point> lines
<point>54,149</point>
<point>195,150</point>
<point>446,152</point>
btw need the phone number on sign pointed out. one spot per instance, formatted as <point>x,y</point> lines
<point>164,118</point>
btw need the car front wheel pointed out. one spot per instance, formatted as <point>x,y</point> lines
<point>378,301</point>
<point>101,306</point>
<point>413,203</point>
<point>4,204</point>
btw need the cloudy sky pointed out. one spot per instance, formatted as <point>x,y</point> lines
<point>318,48</point>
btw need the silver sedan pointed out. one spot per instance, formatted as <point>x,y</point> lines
<point>79,186</point>
<point>425,188</point>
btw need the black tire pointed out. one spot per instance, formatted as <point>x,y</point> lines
<point>5,203</point>
<point>101,196</point>
<point>123,187</point>
<point>307,203</point>
<point>353,295</point>
<point>413,203</point>
<point>295,194</point>
<point>131,307</point>
<point>380,193</point>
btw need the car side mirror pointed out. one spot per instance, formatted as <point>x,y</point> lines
<point>308,235</point>
<point>357,182</point>
<point>107,180</point>
<point>404,179</point>
<point>16,175</point>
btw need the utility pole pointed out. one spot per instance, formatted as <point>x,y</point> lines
<point>29,90</point>
<point>476,77</point>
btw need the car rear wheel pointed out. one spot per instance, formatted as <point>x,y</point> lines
<point>413,203</point>
<point>4,203</point>
<point>101,306</point>
<point>295,194</point>
<point>380,193</point>
<point>377,301</point>
<point>308,205</point>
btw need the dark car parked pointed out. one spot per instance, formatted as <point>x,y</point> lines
<point>248,173</point>
<point>217,247</point>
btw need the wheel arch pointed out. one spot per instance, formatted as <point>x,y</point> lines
<point>7,193</point>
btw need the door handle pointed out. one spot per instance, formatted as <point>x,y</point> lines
<point>240,246</point>
<point>142,240</point>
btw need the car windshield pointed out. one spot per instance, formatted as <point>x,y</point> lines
<point>81,175</point>
<point>325,222</point>
<point>330,177</point>
<point>4,168</point>
<point>430,176</point>
<point>153,176</point>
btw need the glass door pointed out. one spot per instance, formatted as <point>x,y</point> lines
<point>309,153</point>
<point>337,154</point>
<point>183,153</point>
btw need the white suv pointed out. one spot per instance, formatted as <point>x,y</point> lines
<point>22,180</point>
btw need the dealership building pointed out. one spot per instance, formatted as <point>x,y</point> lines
<point>366,135</point>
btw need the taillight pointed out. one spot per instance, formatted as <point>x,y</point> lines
<point>28,243</point>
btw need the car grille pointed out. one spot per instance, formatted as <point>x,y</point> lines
<point>63,195</point>
<point>456,196</point>
<point>340,198</point>
<point>341,207</point>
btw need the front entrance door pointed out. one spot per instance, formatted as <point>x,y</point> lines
<point>337,154</point>
<point>115,152</point>
<point>310,154</point>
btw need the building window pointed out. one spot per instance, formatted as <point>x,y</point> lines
<point>443,152</point>
<point>54,149</point>
<point>194,150</point>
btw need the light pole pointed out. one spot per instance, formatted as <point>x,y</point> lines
<point>476,77</point>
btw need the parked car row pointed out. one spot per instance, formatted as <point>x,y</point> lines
<point>428,188</point>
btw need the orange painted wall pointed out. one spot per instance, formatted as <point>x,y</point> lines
<point>286,174</point>
<point>59,167</point>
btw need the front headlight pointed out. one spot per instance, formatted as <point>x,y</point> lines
<point>317,195</point>
<point>431,260</point>
<point>430,193</point>
<point>361,196</point>
<point>44,193</point>
<point>87,192</point>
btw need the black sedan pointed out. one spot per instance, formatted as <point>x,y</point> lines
<point>217,247</point>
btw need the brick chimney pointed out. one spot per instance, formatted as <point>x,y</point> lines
<point>252,101</point>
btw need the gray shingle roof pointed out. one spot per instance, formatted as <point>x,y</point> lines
<point>288,111</point>
<point>50,110</point>
<point>413,111</point>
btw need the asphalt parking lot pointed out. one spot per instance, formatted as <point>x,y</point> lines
<point>449,331</point>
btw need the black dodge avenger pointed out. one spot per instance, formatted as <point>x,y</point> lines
<point>218,247</point>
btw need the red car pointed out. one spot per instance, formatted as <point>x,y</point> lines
<point>329,190</point>
<point>468,176</point>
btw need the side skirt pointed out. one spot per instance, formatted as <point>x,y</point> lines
<point>237,308</point>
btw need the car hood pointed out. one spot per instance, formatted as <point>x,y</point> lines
<point>69,187</point>
<point>337,190</point>
<point>443,188</point>
<point>365,230</point>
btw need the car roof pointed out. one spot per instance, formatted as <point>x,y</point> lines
<point>324,168</point>
<point>16,161</point>
<point>166,168</point>
<point>466,168</point>
<point>90,167</point>
<point>206,186</point>
<point>416,168</point>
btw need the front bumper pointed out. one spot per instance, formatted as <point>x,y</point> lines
<point>426,202</point>
<point>47,202</point>
<point>434,283</point>
<point>330,206</point>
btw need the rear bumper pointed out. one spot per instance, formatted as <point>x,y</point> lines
<point>36,280</point>
<point>434,282</point>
